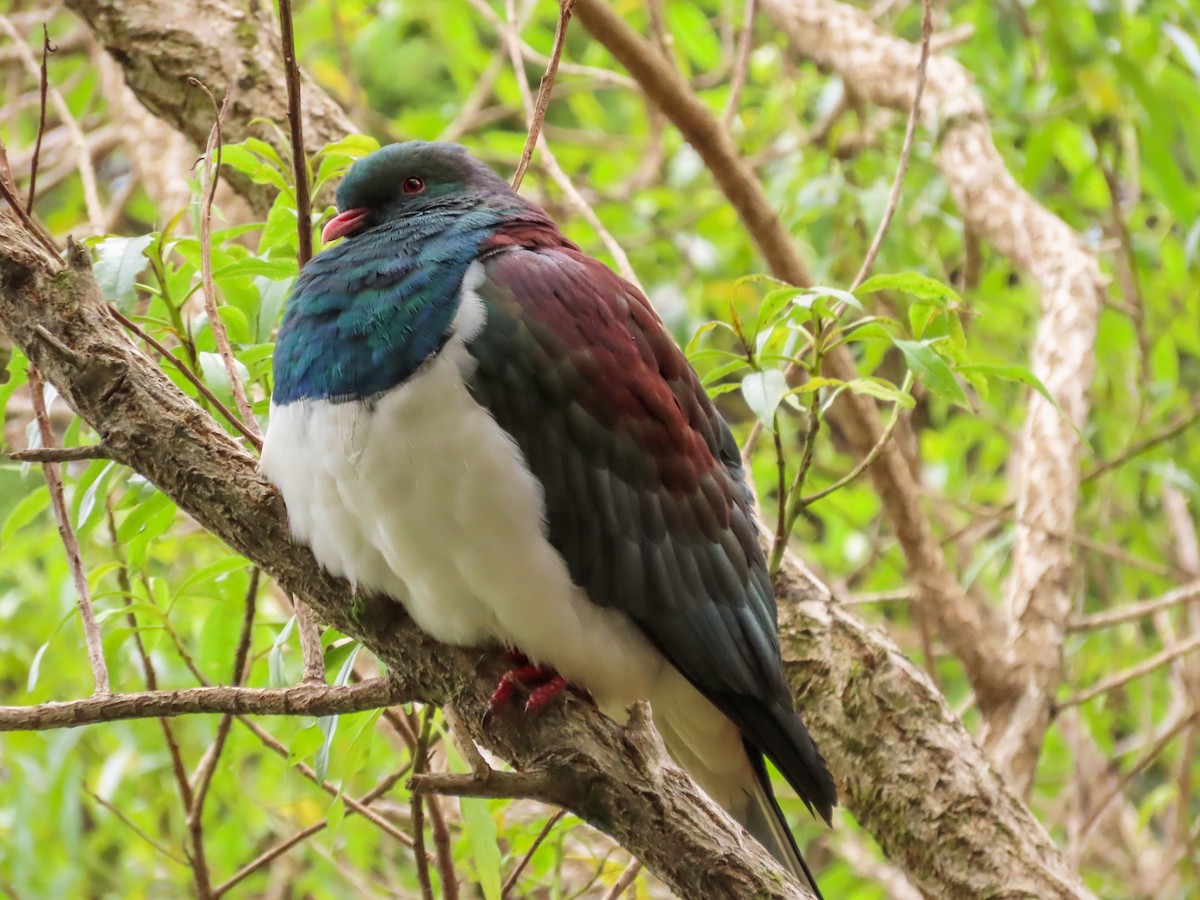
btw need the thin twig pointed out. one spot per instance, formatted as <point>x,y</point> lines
<point>515,875</point>
<point>302,700</point>
<point>83,163</point>
<point>43,84</point>
<point>212,165</point>
<point>1184,421</point>
<point>741,63</point>
<point>310,643</point>
<point>207,767</point>
<point>466,744</point>
<point>420,760</point>
<point>512,35</point>
<point>83,596</point>
<point>60,454</point>
<point>792,501</point>
<point>624,881</point>
<point>291,73</point>
<point>1152,753</point>
<point>148,672</point>
<point>1183,594</point>
<point>1133,672</point>
<point>443,849</point>
<point>544,90</point>
<point>909,132</point>
<point>187,373</point>
<point>872,454</point>
<point>174,857</point>
<point>327,786</point>
<point>9,192</point>
<point>282,847</point>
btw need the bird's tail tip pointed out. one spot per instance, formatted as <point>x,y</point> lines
<point>766,823</point>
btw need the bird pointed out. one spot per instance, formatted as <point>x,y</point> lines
<point>475,418</point>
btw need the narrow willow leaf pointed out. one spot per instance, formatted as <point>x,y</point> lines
<point>939,378</point>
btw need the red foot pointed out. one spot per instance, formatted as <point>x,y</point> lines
<point>544,682</point>
<point>540,696</point>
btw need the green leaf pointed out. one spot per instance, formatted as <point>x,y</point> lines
<point>763,392</point>
<point>94,477</point>
<point>921,286</point>
<point>35,667</point>
<point>355,146</point>
<point>24,512</point>
<point>119,261</point>
<point>808,299</point>
<point>1018,374</point>
<point>17,371</point>
<point>719,372</point>
<point>275,657</point>
<point>814,384</point>
<point>304,744</point>
<point>773,304</point>
<point>253,265</point>
<point>882,390</point>
<point>253,166</point>
<point>924,361</point>
<point>481,832</point>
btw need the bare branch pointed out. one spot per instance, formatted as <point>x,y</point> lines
<point>310,643</point>
<point>624,880</point>
<point>296,132</point>
<point>59,454</point>
<point>83,595</point>
<point>212,165</point>
<point>302,700</point>
<point>1133,672</point>
<point>43,84</point>
<point>909,131</point>
<point>1184,594</point>
<point>515,875</point>
<point>741,63</point>
<point>544,90</point>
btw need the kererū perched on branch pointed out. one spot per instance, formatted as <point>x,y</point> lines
<point>474,417</point>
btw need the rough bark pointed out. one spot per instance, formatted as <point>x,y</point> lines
<point>881,69</point>
<point>226,45</point>
<point>907,767</point>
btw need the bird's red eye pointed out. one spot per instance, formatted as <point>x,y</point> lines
<point>413,185</point>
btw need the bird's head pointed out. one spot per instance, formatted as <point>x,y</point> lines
<point>407,179</point>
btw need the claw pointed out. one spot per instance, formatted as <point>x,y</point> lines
<point>545,684</point>
<point>540,696</point>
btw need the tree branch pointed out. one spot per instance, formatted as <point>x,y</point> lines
<point>302,700</point>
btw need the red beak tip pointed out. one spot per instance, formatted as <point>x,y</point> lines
<point>343,224</point>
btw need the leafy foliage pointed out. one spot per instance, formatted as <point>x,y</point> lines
<point>1083,97</point>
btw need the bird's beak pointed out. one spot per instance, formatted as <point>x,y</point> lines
<point>343,224</point>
